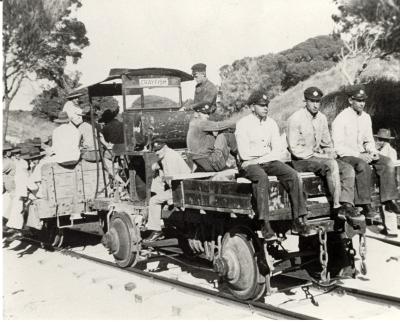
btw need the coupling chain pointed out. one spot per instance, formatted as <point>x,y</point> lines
<point>363,253</point>
<point>323,255</point>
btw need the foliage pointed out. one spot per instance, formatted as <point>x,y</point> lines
<point>38,37</point>
<point>285,104</point>
<point>51,100</point>
<point>366,21</point>
<point>275,73</point>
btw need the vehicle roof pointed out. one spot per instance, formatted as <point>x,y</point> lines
<point>116,73</point>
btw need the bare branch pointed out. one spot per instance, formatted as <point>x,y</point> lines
<point>14,91</point>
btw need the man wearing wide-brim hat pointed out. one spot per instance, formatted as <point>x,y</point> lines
<point>382,139</point>
<point>72,108</point>
<point>354,143</point>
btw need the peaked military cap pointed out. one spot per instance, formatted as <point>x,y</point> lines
<point>203,107</point>
<point>258,97</point>
<point>358,93</point>
<point>313,94</point>
<point>200,67</point>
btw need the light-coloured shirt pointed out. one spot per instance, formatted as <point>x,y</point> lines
<point>65,143</point>
<point>388,151</point>
<point>352,133</point>
<point>172,164</point>
<point>21,178</point>
<point>307,133</point>
<point>258,138</point>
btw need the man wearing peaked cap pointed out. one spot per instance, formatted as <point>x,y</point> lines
<point>260,149</point>
<point>258,97</point>
<point>354,143</point>
<point>311,147</point>
<point>359,93</point>
<point>208,151</point>
<point>205,91</point>
<point>313,94</point>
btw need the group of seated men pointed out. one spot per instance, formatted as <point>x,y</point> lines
<point>344,159</point>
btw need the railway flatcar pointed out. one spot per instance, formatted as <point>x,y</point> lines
<point>212,215</point>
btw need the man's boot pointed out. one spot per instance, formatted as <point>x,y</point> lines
<point>370,214</point>
<point>267,231</point>
<point>392,206</point>
<point>301,227</point>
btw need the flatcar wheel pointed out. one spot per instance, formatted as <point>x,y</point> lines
<point>119,240</point>
<point>242,274</point>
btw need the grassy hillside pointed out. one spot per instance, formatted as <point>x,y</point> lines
<point>22,125</point>
<point>282,106</point>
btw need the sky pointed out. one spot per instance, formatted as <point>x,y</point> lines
<point>180,33</point>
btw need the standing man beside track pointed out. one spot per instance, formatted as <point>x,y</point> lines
<point>354,143</point>
<point>311,147</point>
<point>259,147</point>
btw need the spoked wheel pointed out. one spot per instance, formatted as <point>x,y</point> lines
<point>122,240</point>
<point>241,270</point>
<point>52,235</point>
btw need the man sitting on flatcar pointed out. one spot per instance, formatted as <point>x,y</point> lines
<point>210,152</point>
<point>311,147</point>
<point>170,163</point>
<point>354,143</point>
<point>259,146</point>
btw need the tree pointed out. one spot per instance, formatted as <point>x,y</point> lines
<point>275,73</point>
<point>51,101</point>
<point>369,29</point>
<point>38,37</point>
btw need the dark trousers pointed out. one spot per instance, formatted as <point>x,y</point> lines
<point>384,169</point>
<point>225,144</point>
<point>287,176</point>
<point>340,177</point>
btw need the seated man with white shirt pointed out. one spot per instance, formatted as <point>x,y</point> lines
<point>259,147</point>
<point>169,163</point>
<point>354,143</point>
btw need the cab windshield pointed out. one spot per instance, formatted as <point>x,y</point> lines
<point>154,97</point>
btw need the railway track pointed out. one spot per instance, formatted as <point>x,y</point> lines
<point>312,293</point>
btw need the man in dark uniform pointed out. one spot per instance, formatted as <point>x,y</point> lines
<point>210,152</point>
<point>205,91</point>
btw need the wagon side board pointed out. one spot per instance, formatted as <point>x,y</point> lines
<point>233,197</point>
<point>67,190</point>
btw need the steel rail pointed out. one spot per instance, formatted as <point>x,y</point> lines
<point>369,295</point>
<point>264,309</point>
<point>360,293</point>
